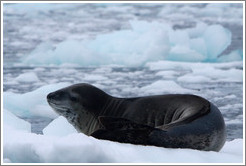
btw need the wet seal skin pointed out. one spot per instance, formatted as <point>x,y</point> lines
<point>170,121</point>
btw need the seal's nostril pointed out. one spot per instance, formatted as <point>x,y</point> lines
<point>50,95</point>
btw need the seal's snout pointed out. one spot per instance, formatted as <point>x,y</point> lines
<point>50,96</point>
<point>56,96</point>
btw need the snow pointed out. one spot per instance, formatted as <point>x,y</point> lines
<point>144,42</point>
<point>69,147</point>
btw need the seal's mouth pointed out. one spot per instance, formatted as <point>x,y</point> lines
<point>64,111</point>
<point>58,107</point>
<point>56,104</point>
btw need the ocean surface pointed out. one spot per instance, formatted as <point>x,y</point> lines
<point>32,33</point>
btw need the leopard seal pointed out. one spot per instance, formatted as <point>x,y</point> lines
<point>170,121</point>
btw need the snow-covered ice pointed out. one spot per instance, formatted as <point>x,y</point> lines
<point>72,147</point>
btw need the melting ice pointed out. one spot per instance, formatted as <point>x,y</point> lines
<point>144,42</point>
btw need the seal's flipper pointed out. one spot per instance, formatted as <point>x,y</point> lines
<point>124,136</point>
<point>167,127</point>
<point>184,120</point>
<point>114,123</point>
<point>111,123</point>
<point>123,130</point>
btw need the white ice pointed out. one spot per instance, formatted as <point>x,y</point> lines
<point>59,127</point>
<point>27,77</point>
<point>32,103</point>
<point>69,147</point>
<point>144,42</point>
<point>202,72</point>
<point>12,121</point>
<point>162,87</point>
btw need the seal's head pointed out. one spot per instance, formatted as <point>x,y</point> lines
<point>79,104</point>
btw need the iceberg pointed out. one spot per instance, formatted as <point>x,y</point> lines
<point>217,39</point>
<point>144,42</point>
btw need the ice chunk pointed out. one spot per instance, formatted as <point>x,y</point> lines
<point>95,77</point>
<point>199,45</point>
<point>160,86</point>
<point>167,74</point>
<point>230,75</point>
<point>183,53</point>
<point>217,39</point>
<point>236,55</point>
<point>69,51</point>
<point>144,42</point>
<point>168,65</point>
<point>31,103</point>
<point>215,9</point>
<point>198,30</point>
<point>179,37</point>
<point>198,72</point>
<point>190,78</point>
<point>43,110</point>
<point>59,127</point>
<point>10,120</point>
<point>27,77</point>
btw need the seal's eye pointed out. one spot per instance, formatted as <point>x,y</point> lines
<point>72,98</point>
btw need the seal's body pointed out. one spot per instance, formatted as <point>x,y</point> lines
<point>172,121</point>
